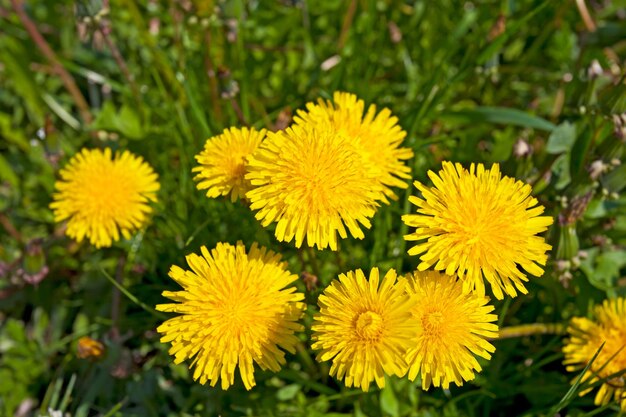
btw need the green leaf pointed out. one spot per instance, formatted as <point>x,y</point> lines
<point>615,180</point>
<point>608,265</point>
<point>503,141</point>
<point>7,174</point>
<point>501,115</point>
<point>106,119</point>
<point>511,30</point>
<point>126,122</point>
<point>603,268</point>
<point>562,139</point>
<point>14,56</point>
<point>63,114</point>
<point>388,402</point>
<point>575,388</point>
<point>197,110</point>
<point>561,169</point>
<point>287,392</point>
<point>12,135</point>
<point>580,151</point>
<point>129,124</point>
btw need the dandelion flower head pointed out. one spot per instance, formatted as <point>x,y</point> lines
<point>102,197</point>
<point>377,135</point>
<point>587,336</point>
<point>223,162</point>
<point>364,327</point>
<point>312,184</point>
<point>453,328</point>
<point>478,224</point>
<point>235,309</point>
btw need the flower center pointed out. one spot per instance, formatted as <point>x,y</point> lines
<point>235,312</point>
<point>369,325</point>
<point>475,236</point>
<point>482,229</point>
<point>432,323</point>
<point>237,167</point>
<point>106,194</point>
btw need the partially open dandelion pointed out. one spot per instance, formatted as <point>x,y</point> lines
<point>364,327</point>
<point>311,182</point>
<point>453,328</point>
<point>89,348</point>
<point>586,337</point>
<point>223,162</point>
<point>102,198</point>
<point>236,309</point>
<point>479,224</point>
<point>377,136</point>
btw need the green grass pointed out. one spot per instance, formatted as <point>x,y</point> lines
<point>465,87</point>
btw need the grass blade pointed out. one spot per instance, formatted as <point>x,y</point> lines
<point>501,115</point>
<point>574,389</point>
<point>131,297</point>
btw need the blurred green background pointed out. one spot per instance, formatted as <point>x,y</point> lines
<point>537,86</point>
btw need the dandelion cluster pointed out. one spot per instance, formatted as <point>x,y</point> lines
<point>102,197</point>
<point>423,323</point>
<point>320,179</point>
<point>316,182</point>
<point>377,137</point>
<point>606,335</point>
<point>312,184</point>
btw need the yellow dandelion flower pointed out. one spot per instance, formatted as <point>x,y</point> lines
<point>312,184</point>
<point>89,348</point>
<point>102,197</point>
<point>377,136</point>
<point>364,328</point>
<point>479,224</point>
<point>453,328</point>
<point>223,162</point>
<point>586,337</point>
<point>236,309</point>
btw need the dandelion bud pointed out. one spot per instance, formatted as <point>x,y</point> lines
<point>595,70</point>
<point>89,348</point>
<point>576,209</point>
<point>596,169</point>
<point>568,242</point>
<point>563,265</point>
<point>619,120</point>
<point>522,148</point>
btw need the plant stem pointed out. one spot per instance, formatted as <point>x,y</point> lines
<point>8,226</point>
<point>303,353</point>
<point>347,23</point>
<point>313,261</point>
<point>116,299</point>
<point>132,297</point>
<point>530,330</point>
